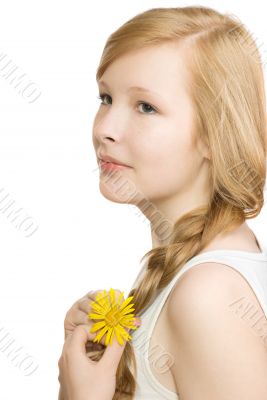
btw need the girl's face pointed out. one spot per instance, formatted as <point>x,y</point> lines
<point>146,122</point>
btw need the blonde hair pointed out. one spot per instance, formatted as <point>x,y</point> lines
<point>227,91</point>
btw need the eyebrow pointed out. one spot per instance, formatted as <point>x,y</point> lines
<point>133,88</point>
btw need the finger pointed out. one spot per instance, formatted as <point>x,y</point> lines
<point>113,354</point>
<point>79,317</point>
<point>78,339</point>
<point>84,300</point>
<point>85,304</point>
<point>114,351</point>
<point>84,320</point>
<point>91,293</point>
<point>75,317</point>
<point>87,295</point>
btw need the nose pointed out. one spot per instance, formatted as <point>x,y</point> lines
<point>101,136</point>
<point>108,127</point>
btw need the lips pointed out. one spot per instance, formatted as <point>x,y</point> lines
<point>109,159</point>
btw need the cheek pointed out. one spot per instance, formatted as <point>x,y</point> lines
<point>164,164</point>
<point>165,174</point>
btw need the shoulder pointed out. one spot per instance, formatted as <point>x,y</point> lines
<point>210,341</point>
<point>210,290</point>
<point>204,293</point>
<point>209,285</point>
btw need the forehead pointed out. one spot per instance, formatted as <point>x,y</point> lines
<point>160,69</point>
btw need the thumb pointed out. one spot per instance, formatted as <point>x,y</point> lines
<point>77,340</point>
<point>113,353</point>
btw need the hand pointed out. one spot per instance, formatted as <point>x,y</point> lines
<point>83,379</point>
<point>78,315</point>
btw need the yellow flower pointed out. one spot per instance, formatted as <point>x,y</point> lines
<point>114,315</point>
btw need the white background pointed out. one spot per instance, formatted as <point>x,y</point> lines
<point>48,168</point>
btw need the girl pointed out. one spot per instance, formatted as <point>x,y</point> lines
<point>181,134</point>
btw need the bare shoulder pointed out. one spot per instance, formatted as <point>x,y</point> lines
<point>212,281</point>
<point>217,352</point>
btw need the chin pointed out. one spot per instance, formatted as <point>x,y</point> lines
<point>116,193</point>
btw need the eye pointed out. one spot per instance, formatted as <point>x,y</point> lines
<point>148,107</point>
<point>102,96</point>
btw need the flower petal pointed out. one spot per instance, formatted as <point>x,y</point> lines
<point>120,297</point>
<point>125,334</point>
<point>112,297</point>
<point>98,308</point>
<point>108,336</point>
<point>127,309</point>
<point>97,326</point>
<point>118,336</point>
<point>124,304</point>
<point>95,316</point>
<point>101,333</point>
<point>101,297</point>
<point>128,324</point>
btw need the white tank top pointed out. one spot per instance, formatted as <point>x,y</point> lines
<point>251,265</point>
